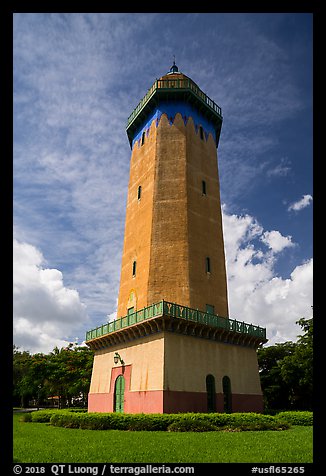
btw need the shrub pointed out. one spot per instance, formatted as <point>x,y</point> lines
<point>152,422</point>
<point>247,422</point>
<point>218,419</point>
<point>257,422</point>
<point>250,421</point>
<point>168,421</point>
<point>42,416</point>
<point>102,421</point>
<point>118,421</point>
<point>156,422</point>
<point>192,425</point>
<point>65,418</point>
<point>304,418</point>
<point>90,421</point>
<point>26,417</point>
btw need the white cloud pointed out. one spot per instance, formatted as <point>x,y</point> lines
<point>275,241</point>
<point>280,170</point>
<point>300,204</point>
<point>71,175</point>
<point>256,294</point>
<point>46,312</point>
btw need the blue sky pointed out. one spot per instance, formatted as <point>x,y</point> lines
<point>77,78</point>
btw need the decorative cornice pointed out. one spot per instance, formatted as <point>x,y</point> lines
<point>168,317</point>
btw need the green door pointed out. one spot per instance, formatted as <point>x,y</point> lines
<point>119,392</point>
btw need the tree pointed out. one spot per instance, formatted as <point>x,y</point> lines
<point>64,372</point>
<point>70,371</point>
<point>275,389</point>
<point>297,369</point>
<point>22,391</point>
<point>286,371</point>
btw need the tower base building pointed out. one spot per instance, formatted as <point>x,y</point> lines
<point>173,347</point>
<point>175,359</point>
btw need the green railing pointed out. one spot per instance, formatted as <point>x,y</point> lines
<point>175,84</point>
<point>154,310</point>
<point>175,310</point>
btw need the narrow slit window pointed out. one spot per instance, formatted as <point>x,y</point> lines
<point>208,265</point>
<point>203,187</point>
<point>134,266</point>
<point>143,138</point>
<point>139,192</point>
<point>201,132</point>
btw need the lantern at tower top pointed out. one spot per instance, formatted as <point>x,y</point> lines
<point>169,92</point>
<point>174,68</point>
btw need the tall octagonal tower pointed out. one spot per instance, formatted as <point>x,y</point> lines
<point>173,347</point>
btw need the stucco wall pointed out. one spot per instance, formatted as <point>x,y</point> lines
<point>144,355</point>
<point>138,225</point>
<point>176,362</point>
<point>188,360</point>
<point>171,230</point>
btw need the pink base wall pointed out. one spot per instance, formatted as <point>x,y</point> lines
<point>197,402</point>
<point>159,401</point>
<point>134,402</point>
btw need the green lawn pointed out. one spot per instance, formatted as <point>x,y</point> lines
<point>42,443</point>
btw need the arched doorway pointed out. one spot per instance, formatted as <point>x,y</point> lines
<point>211,394</point>
<point>119,391</point>
<point>226,384</point>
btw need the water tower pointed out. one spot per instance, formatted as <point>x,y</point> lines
<point>173,347</point>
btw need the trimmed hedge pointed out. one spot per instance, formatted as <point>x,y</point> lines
<point>37,416</point>
<point>192,425</point>
<point>164,422</point>
<point>303,418</point>
<point>112,421</point>
<point>70,418</point>
<point>26,417</point>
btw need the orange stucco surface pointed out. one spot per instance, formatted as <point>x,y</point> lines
<point>173,227</point>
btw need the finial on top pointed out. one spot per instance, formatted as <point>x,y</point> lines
<point>174,68</point>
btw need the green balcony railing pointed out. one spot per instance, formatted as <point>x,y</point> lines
<point>176,85</point>
<point>154,310</point>
<point>175,310</point>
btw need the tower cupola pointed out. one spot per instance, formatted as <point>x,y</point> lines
<point>165,96</point>
<point>174,68</point>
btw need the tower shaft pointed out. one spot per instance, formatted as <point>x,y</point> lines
<point>173,229</point>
